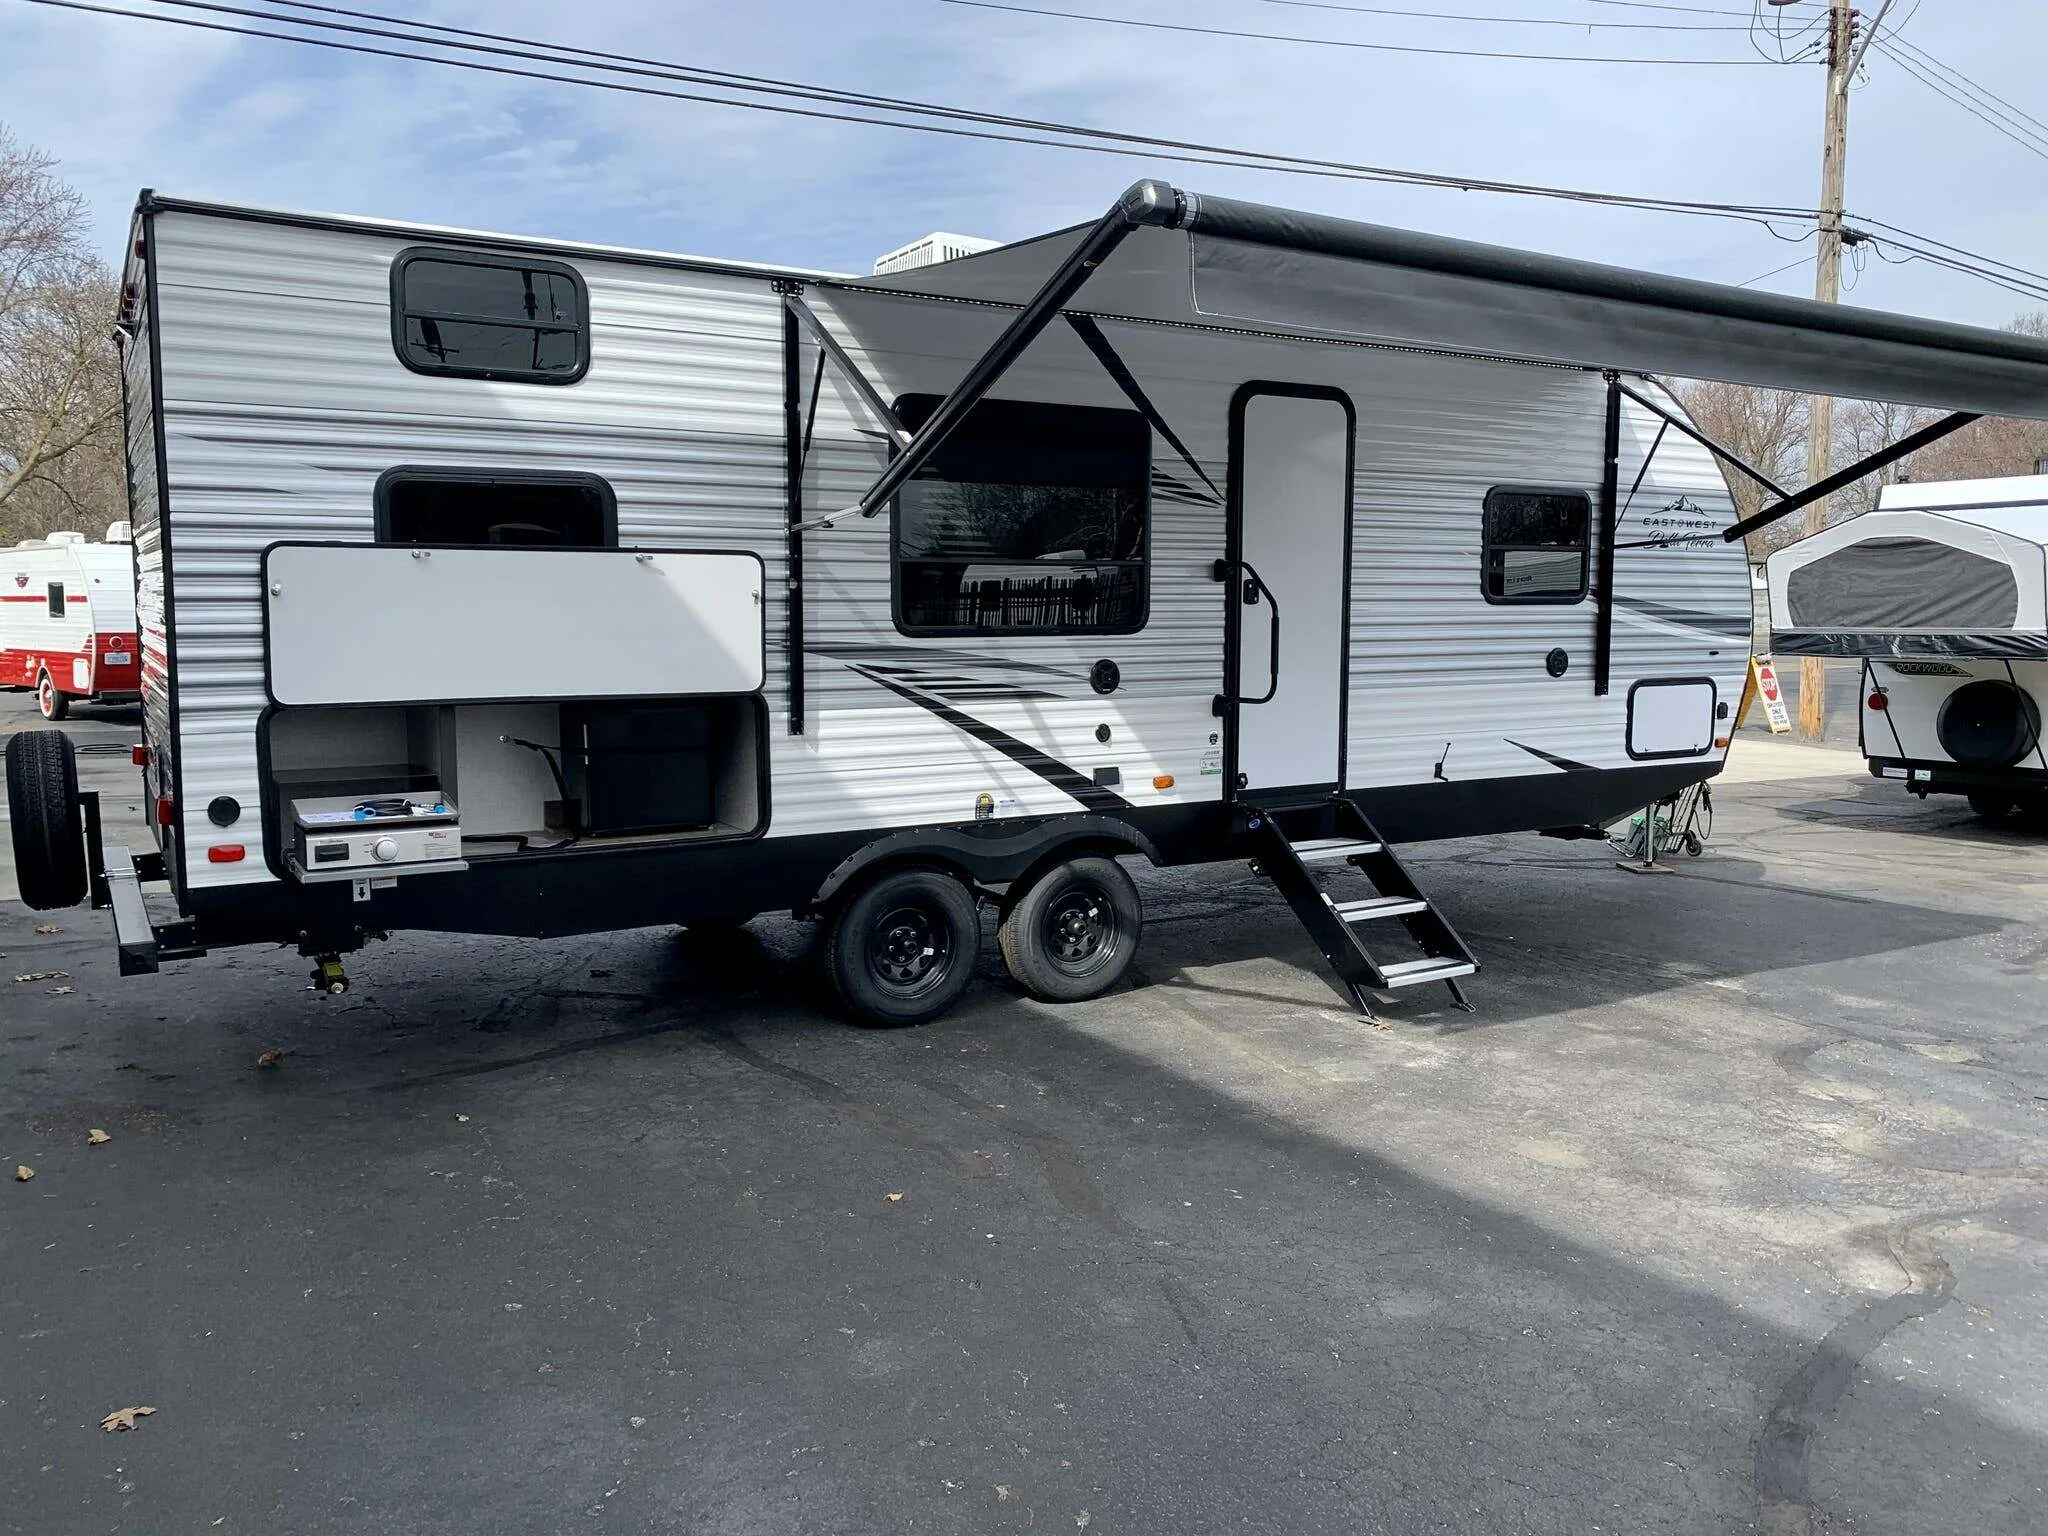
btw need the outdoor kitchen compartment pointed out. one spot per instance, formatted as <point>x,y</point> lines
<point>639,767</point>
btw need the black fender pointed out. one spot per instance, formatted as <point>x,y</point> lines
<point>998,856</point>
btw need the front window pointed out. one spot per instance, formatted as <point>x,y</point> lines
<point>1029,518</point>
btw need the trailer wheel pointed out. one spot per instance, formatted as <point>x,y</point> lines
<point>901,950</point>
<point>42,805</point>
<point>1073,932</point>
<point>54,704</point>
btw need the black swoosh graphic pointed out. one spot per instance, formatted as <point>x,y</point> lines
<point>1734,626</point>
<point>1056,773</point>
<point>1552,758</point>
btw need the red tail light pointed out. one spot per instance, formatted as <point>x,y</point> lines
<point>166,813</point>
<point>141,755</point>
<point>226,853</point>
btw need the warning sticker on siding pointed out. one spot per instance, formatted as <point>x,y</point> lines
<point>1212,760</point>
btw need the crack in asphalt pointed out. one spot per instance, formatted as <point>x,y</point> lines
<point>1781,1472</point>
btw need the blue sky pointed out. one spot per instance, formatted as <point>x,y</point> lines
<point>128,103</point>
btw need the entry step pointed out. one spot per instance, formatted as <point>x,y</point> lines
<point>1317,850</point>
<point>1378,906</point>
<point>1410,973</point>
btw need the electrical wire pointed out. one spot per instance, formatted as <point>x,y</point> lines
<point>1761,277</point>
<point>1908,57</point>
<point>1514,21</point>
<point>914,116</point>
<point>2000,122</point>
<point>1921,55</point>
<point>1333,42</point>
<point>1067,136</point>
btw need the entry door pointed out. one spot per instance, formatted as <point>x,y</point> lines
<point>1293,472</point>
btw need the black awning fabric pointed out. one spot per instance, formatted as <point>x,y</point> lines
<point>1306,271</point>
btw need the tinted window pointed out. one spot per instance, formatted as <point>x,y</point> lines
<point>1536,545</point>
<point>489,317</point>
<point>437,506</point>
<point>1903,584</point>
<point>56,595</point>
<point>1030,517</point>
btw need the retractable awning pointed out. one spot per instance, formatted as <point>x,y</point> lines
<point>1218,260</point>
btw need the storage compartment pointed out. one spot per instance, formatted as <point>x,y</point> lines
<point>532,777</point>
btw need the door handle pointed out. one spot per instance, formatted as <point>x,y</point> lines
<point>1254,588</point>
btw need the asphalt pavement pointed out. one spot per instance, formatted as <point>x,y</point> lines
<point>1727,1210</point>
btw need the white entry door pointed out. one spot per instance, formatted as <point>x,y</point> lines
<point>1294,478</point>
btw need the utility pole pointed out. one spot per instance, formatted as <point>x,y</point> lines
<point>1827,288</point>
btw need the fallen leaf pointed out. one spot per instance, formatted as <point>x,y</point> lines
<point>270,1058</point>
<point>23,1173</point>
<point>895,1197</point>
<point>48,928</point>
<point>95,1137</point>
<point>1005,1493</point>
<point>60,991</point>
<point>124,1418</point>
<point>463,1119</point>
<point>44,976</point>
<point>1083,1520</point>
<point>637,1422</point>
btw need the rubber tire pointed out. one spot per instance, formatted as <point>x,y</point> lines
<point>872,1001</point>
<point>1026,941</point>
<point>52,703</point>
<point>42,805</point>
<point>1991,804</point>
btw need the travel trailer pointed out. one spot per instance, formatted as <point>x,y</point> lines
<point>67,620</point>
<point>513,586</point>
<point>1942,591</point>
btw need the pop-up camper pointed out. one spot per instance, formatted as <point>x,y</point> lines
<point>1942,591</point>
<point>513,586</point>
<point>67,620</point>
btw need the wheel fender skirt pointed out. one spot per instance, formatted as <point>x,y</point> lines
<point>992,857</point>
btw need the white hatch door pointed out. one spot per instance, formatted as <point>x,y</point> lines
<point>1294,466</point>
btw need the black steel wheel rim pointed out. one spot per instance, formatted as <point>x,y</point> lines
<point>910,949</point>
<point>1079,929</point>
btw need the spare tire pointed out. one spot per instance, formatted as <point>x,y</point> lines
<point>42,805</point>
<point>1988,724</point>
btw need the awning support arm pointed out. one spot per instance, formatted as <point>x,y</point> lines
<point>1910,444</point>
<point>1674,419</point>
<point>1144,203</point>
<point>829,345</point>
<point>1610,494</point>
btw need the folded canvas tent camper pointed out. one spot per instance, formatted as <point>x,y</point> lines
<point>1942,591</point>
<point>67,620</point>
<point>512,586</point>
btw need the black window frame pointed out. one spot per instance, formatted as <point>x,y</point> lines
<point>1487,546</point>
<point>478,258</point>
<point>54,597</point>
<point>912,409</point>
<point>403,474</point>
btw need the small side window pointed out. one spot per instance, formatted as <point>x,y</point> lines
<point>466,314</point>
<point>471,506</point>
<point>56,599</point>
<point>1537,545</point>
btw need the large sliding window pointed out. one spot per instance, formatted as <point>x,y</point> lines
<point>470,314</point>
<point>1029,517</point>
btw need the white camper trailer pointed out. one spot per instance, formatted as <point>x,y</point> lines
<point>1942,591</point>
<point>67,620</point>
<point>514,586</point>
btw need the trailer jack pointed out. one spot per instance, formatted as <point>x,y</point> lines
<point>327,975</point>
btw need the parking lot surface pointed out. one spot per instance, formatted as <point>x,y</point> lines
<point>1726,1210</point>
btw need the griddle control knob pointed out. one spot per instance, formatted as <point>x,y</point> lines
<point>385,849</point>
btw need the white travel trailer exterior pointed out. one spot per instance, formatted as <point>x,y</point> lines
<point>662,589</point>
<point>1942,591</point>
<point>67,620</point>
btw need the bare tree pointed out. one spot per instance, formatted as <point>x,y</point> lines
<point>1766,428</point>
<point>60,388</point>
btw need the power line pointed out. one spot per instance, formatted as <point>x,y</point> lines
<point>1332,42</point>
<point>1515,21</point>
<point>1752,282</point>
<point>1892,41</point>
<point>962,123</point>
<point>2000,122</point>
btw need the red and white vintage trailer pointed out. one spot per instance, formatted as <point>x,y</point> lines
<point>67,620</point>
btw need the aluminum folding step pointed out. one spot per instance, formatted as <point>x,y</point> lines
<point>1291,838</point>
